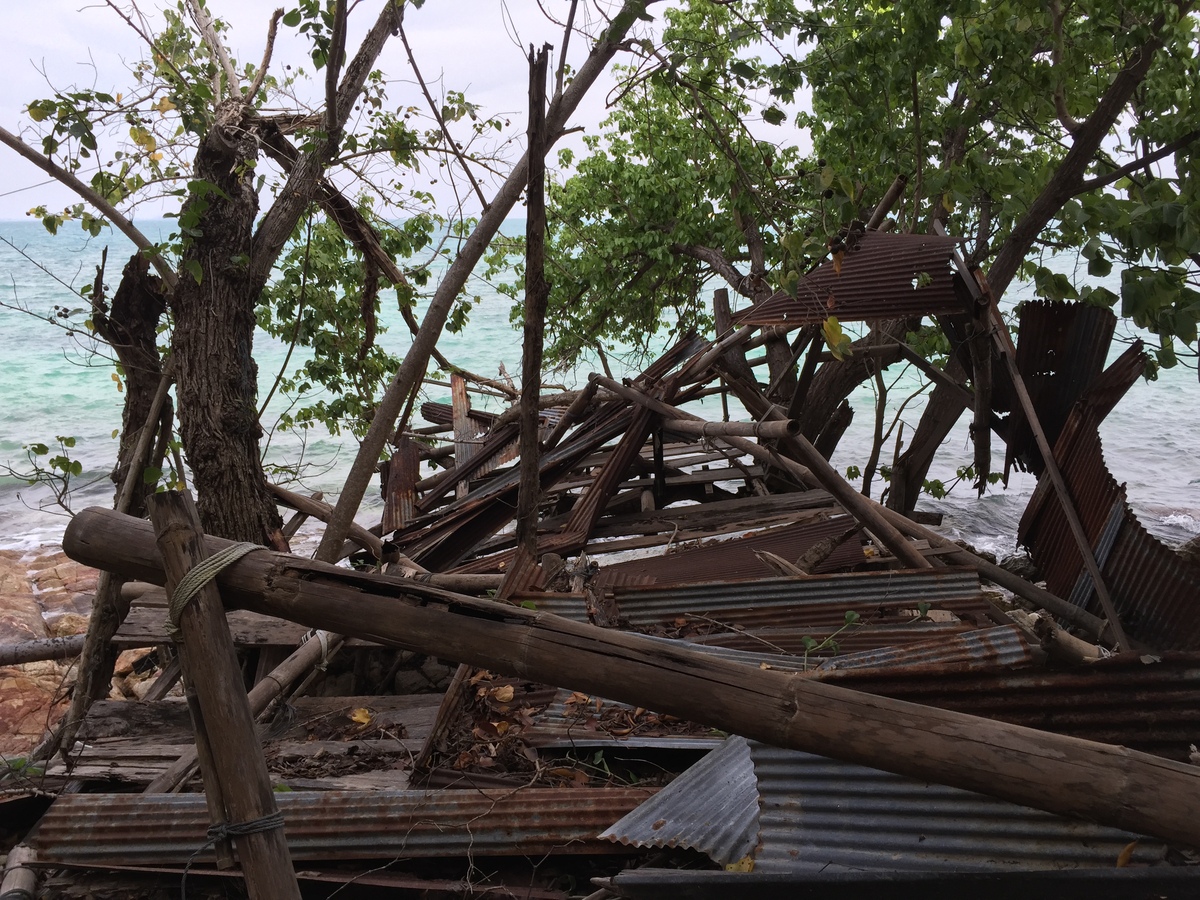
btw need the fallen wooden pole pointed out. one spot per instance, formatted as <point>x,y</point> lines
<point>44,648</point>
<point>1106,784</point>
<point>238,773</point>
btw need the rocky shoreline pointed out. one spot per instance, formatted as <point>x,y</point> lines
<point>43,594</point>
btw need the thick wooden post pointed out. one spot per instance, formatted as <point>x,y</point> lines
<point>537,294</point>
<point>210,667</point>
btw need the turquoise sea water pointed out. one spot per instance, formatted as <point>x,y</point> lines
<point>54,384</point>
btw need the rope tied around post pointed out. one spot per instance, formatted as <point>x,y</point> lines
<point>223,831</point>
<point>200,575</point>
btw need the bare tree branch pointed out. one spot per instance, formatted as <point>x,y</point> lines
<point>562,58</point>
<point>437,114</point>
<point>103,206</point>
<point>1128,169</point>
<point>304,180</point>
<point>333,68</point>
<point>216,48</point>
<point>716,261</point>
<point>261,74</point>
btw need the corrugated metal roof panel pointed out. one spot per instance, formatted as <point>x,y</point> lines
<point>712,807</point>
<point>141,829</point>
<point>736,558</point>
<point>817,813</point>
<point>794,640</point>
<point>1061,349</point>
<point>881,275</point>
<point>950,588</point>
<point>1150,706</point>
<point>566,724</point>
<point>1156,593</point>
<point>1003,647</point>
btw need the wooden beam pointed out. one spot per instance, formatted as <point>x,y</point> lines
<point>1065,775</point>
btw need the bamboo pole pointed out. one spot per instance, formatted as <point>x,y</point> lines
<point>1111,785</point>
<point>765,430</point>
<point>238,775</point>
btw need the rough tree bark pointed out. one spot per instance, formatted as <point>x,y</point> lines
<point>213,342</point>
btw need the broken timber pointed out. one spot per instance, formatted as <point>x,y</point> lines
<point>1102,783</point>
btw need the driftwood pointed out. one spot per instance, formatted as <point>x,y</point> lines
<point>1106,784</point>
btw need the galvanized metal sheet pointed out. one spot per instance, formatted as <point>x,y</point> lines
<point>712,807</point>
<point>162,829</point>
<point>880,275</point>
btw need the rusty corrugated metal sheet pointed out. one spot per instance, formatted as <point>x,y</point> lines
<point>140,829</point>
<point>727,560</point>
<point>1150,706</point>
<point>953,589</point>
<point>1156,593</point>
<point>566,724</point>
<point>794,640</point>
<point>820,814</point>
<point>399,477</point>
<point>879,278</point>
<point>1061,349</point>
<point>443,414</point>
<point>569,724</point>
<point>1002,647</point>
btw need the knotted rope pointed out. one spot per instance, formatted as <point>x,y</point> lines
<point>194,581</point>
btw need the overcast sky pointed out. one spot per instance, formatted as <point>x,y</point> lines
<point>477,46</point>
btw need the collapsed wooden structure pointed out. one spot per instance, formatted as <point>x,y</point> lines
<point>777,604</point>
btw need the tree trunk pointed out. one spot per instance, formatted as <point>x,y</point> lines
<point>216,376</point>
<point>130,327</point>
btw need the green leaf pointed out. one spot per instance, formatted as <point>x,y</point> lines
<point>193,268</point>
<point>1099,266</point>
<point>291,18</point>
<point>773,115</point>
<point>528,604</point>
<point>151,475</point>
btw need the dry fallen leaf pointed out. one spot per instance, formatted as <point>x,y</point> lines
<point>503,694</point>
<point>1126,854</point>
<point>361,716</point>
